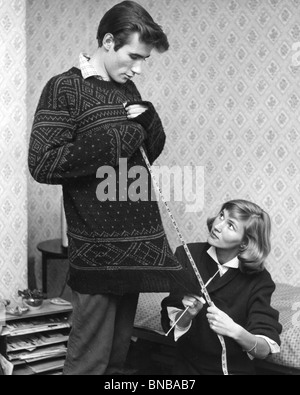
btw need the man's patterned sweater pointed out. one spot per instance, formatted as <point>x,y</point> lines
<point>118,245</point>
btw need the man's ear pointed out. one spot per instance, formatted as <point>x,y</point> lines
<point>108,41</point>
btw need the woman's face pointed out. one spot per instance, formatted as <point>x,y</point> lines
<point>227,232</point>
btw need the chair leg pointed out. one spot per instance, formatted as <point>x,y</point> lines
<point>44,276</point>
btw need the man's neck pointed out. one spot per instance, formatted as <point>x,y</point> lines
<point>97,62</point>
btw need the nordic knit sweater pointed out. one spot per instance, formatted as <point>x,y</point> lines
<point>115,246</point>
<point>246,298</point>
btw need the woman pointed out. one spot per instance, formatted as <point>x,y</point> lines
<point>231,263</point>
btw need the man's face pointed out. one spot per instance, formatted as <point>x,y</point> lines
<point>122,65</point>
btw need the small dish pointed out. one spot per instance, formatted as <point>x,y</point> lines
<point>33,304</point>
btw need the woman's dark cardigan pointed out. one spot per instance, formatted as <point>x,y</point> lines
<point>245,298</point>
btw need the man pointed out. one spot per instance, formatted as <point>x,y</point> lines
<point>88,121</point>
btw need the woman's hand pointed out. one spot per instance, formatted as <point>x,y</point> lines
<point>195,304</point>
<point>221,323</point>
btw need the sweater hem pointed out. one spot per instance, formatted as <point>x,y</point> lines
<point>120,282</point>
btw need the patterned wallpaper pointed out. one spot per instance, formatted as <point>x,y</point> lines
<point>228,95</point>
<point>13,162</point>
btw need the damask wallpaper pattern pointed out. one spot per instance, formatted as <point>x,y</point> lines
<point>13,142</point>
<point>228,95</point>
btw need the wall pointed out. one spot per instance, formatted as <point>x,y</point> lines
<point>228,96</point>
<point>13,185</point>
<point>57,30</point>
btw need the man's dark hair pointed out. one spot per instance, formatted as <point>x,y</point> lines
<point>129,17</point>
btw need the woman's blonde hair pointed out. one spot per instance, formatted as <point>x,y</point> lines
<point>256,245</point>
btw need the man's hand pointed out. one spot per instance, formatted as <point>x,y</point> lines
<point>134,110</point>
<point>141,112</point>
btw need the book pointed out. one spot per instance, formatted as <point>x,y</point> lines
<point>20,328</point>
<point>32,341</point>
<point>40,353</point>
<point>44,367</point>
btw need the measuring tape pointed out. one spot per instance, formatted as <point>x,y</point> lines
<point>197,273</point>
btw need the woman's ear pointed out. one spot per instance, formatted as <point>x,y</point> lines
<point>108,41</point>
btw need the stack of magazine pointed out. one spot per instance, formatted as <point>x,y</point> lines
<point>37,345</point>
